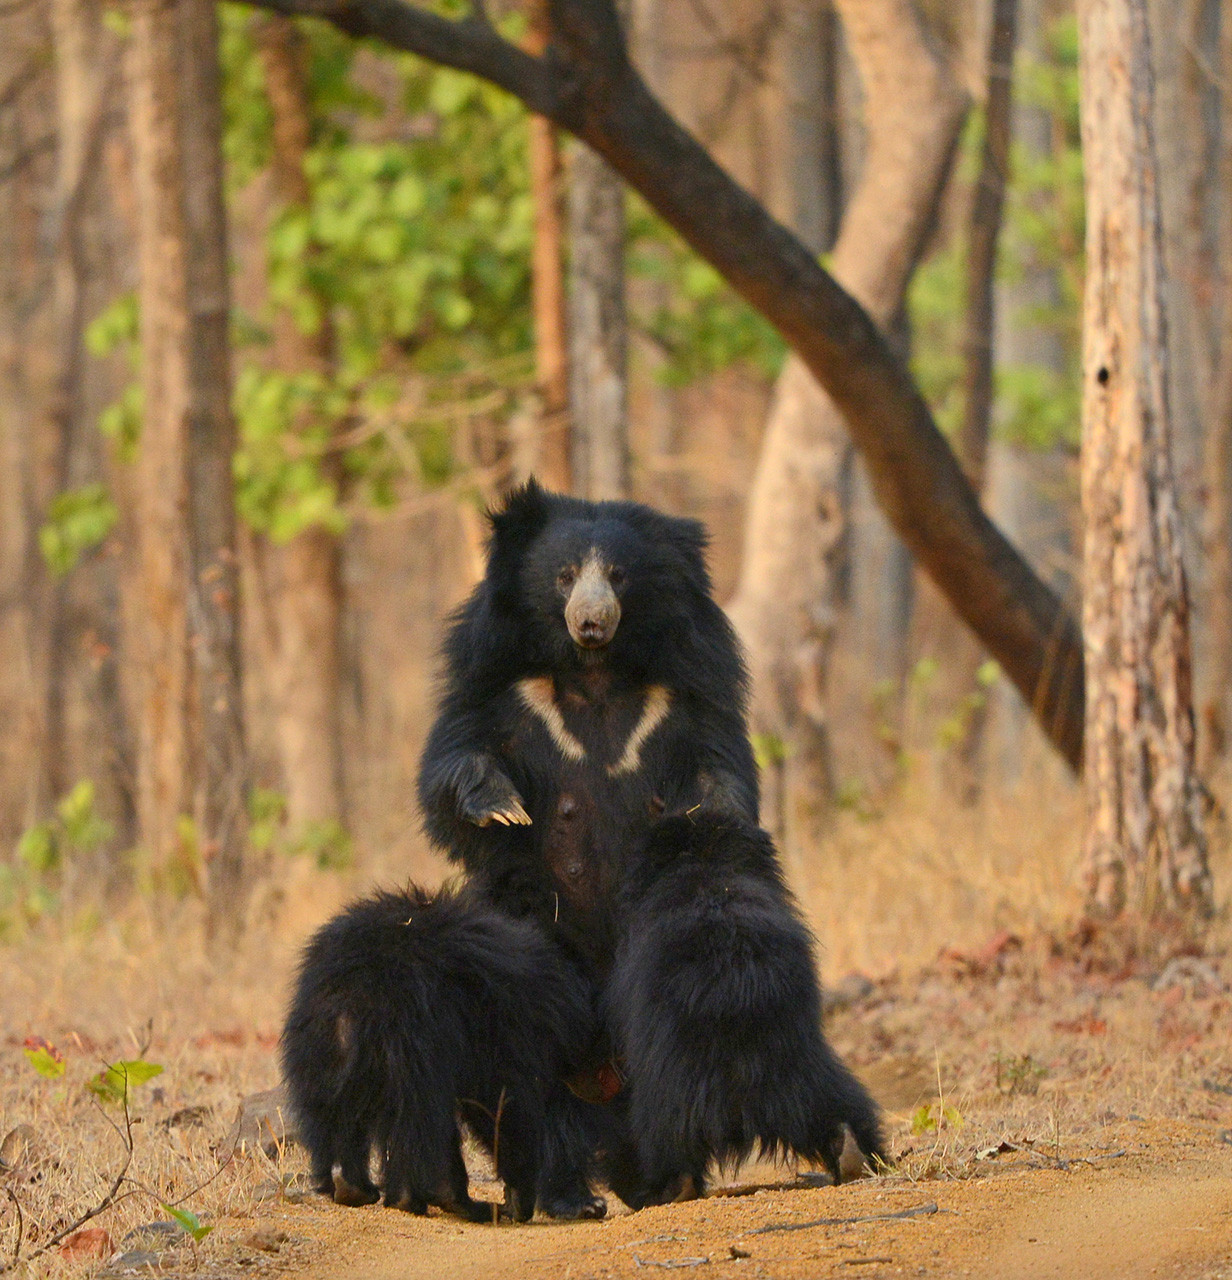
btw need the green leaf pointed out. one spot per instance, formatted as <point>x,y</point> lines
<point>77,521</point>
<point>84,830</point>
<point>38,848</point>
<point>114,1082</point>
<point>44,1057</point>
<point>188,1221</point>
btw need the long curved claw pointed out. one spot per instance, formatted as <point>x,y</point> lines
<point>516,814</point>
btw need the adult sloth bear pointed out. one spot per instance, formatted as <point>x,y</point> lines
<point>593,686</point>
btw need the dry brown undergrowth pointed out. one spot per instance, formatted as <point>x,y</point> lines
<point>989,1021</point>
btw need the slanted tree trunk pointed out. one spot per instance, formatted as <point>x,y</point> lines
<point>785,601</point>
<point>191,746</point>
<point>298,602</point>
<point>1145,844</point>
<point>552,461</point>
<point>598,361</point>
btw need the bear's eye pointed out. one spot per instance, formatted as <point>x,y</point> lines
<point>566,578</point>
<point>616,576</point>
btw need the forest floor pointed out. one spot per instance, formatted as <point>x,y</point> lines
<point>1058,1099</point>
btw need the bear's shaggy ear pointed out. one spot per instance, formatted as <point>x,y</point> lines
<point>688,538</point>
<point>515,526</point>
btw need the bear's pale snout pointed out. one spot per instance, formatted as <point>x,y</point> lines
<point>592,611</point>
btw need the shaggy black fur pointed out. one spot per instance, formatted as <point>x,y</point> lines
<point>491,752</point>
<point>717,1011</point>
<point>413,1009</point>
<point>593,687</point>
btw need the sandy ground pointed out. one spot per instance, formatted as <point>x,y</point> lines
<point>1158,1204</point>
<point>1058,1103</point>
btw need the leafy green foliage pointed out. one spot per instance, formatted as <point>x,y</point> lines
<point>116,330</point>
<point>28,886</point>
<point>327,842</point>
<point>113,1084</point>
<point>77,521</point>
<point>412,256</point>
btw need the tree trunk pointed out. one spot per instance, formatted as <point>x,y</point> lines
<point>785,602</point>
<point>191,748</point>
<point>1145,844</point>
<point>160,657</point>
<point>298,602</point>
<point>213,588</point>
<point>983,235</point>
<point>1217,443</point>
<point>76,31</point>
<point>598,365</point>
<point>553,446</point>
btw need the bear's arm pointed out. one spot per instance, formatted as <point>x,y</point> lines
<point>726,771</point>
<point>709,673</point>
<point>461,784</point>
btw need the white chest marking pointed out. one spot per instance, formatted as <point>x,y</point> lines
<point>539,697</point>
<point>658,703</point>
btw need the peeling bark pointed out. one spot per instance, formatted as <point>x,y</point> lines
<point>1145,844</point>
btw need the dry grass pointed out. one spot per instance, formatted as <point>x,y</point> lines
<point>1051,1043</point>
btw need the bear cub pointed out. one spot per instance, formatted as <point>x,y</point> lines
<point>717,1007</point>
<point>414,1010</point>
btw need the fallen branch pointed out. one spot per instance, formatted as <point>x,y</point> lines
<point>915,1212</point>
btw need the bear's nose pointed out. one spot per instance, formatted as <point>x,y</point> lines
<point>592,612</point>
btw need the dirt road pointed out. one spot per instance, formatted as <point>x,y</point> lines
<point>1146,1200</point>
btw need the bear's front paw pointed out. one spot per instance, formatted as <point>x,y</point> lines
<point>494,800</point>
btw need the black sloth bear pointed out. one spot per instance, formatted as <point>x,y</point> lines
<point>717,1013</point>
<point>414,1009</point>
<point>594,687</point>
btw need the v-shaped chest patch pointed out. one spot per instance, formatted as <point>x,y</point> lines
<point>538,695</point>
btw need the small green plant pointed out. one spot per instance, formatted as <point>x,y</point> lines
<point>113,1083</point>
<point>1017,1073</point>
<point>30,886</point>
<point>188,1221</point>
<point>44,1057</point>
<point>326,842</point>
<point>932,1117</point>
<point>769,750</point>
